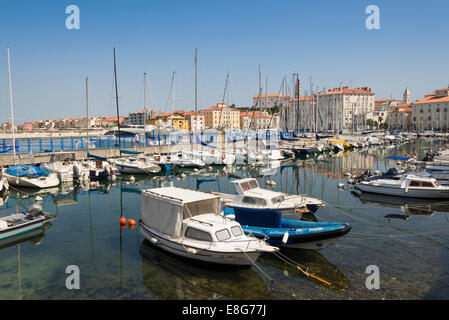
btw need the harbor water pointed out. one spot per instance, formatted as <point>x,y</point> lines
<point>408,240</point>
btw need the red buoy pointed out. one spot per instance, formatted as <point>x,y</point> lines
<point>122,220</point>
<point>132,222</point>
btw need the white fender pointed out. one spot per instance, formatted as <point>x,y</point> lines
<point>285,238</point>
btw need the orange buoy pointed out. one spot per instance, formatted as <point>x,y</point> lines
<point>132,222</point>
<point>122,220</point>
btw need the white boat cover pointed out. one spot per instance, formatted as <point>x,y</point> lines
<point>164,209</point>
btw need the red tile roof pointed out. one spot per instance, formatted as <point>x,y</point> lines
<point>347,90</point>
<point>220,108</point>
<point>432,97</point>
<point>271,96</point>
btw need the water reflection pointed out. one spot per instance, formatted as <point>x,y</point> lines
<point>312,261</point>
<point>408,206</point>
<point>178,278</point>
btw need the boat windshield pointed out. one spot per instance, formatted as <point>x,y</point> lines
<point>253,200</point>
<point>253,184</point>
<point>223,235</point>
<point>196,234</point>
<point>245,186</point>
<point>236,231</point>
<point>277,199</point>
<point>425,184</point>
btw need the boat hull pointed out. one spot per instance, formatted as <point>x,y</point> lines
<point>51,180</point>
<point>307,238</point>
<point>400,192</point>
<point>239,259</point>
<point>130,169</point>
<point>22,228</point>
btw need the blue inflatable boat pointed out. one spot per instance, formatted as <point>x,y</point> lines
<point>283,232</point>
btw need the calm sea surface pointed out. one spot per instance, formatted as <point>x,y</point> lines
<point>408,240</point>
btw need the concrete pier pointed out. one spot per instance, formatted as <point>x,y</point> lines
<point>24,158</point>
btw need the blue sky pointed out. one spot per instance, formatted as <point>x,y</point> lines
<point>325,40</point>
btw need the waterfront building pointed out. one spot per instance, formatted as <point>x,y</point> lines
<point>382,110</point>
<point>268,101</point>
<point>345,109</point>
<point>107,122</point>
<point>431,112</point>
<point>82,123</point>
<point>258,120</point>
<point>176,119</point>
<point>221,117</point>
<point>340,110</point>
<point>140,118</point>
<point>28,126</point>
<point>399,117</point>
<point>196,120</point>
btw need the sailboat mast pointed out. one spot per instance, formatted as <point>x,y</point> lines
<point>196,81</point>
<point>87,115</point>
<point>172,98</point>
<point>116,102</point>
<point>144,94</point>
<point>11,106</point>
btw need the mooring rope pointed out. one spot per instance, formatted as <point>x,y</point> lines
<point>270,278</point>
<point>294,264</point>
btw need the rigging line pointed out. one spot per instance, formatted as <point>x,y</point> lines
<point>222,100</point>
<point>270,278</point>
<point>276,103</point>
<point>169,94</point>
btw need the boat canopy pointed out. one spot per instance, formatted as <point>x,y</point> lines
<point>258,217</point>
<point>129,151</point>
<point>30,171</point>
<point>96,157</point>
<point>164,209</point>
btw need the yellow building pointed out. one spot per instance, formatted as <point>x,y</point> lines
<point>177,119</point>
<point>221,117</point>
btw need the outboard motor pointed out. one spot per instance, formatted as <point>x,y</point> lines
<point>76,172</point>
<point>35,209</point>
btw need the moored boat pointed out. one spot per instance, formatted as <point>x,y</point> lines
<point>284,232</point>
<point>407,186</point>
<point>20,223</point>
<point>30,176</point>
<point>250,195</point>
<point>190,224</point>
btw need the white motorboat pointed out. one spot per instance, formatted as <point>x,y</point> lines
<point>133,165</point>
<point>190,224</point>
<point>30,176</point>
<point>407,186</point>
<point>250,195</point>
<point>67,171</point>
<point>164,162</point>
<point>187,160</point>
<point>20,223</point>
